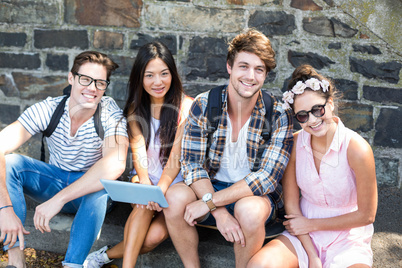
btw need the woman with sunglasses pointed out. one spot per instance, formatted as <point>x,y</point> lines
<point>329,185</point>
<point>156,109</point>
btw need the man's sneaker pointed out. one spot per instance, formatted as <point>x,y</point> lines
<point>97,258</point>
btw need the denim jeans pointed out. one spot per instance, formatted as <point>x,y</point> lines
<point>41,181</point>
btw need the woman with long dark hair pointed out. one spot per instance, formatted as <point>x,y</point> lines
<point>155,110</point>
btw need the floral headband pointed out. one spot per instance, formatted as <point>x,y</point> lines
<point>298,89</point>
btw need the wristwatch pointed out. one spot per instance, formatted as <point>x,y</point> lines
<point>207,198</point>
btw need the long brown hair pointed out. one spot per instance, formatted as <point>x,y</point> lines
<point>139,103</point>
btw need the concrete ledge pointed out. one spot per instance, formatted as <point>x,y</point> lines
<point>214,250</point>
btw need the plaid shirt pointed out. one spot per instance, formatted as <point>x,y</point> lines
<point>274,159</point>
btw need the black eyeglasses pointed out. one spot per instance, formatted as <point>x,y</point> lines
<point>86,80</point>
<point>316,110</point>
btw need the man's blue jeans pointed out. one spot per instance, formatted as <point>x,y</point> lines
<point>41,181</point>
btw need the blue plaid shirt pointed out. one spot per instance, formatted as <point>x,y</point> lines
<point>274,159</point>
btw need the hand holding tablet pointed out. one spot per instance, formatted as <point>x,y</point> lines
<point>128,192</point>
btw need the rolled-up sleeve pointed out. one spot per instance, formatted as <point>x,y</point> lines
<point>194,143</point>
<point>276,155</point>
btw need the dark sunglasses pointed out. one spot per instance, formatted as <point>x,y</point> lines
<point>317,110</point>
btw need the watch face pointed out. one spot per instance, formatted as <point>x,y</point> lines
<point>207,197</point>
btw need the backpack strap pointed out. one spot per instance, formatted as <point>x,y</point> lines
<point>267,128</point>
<point>54,121</point>
<point>213,113</point>
<point>98,122</point>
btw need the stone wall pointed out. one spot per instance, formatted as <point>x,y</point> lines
<point>357,43</point>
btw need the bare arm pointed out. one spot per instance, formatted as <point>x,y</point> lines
<point>291,195</point>
<point>139,152</point>
<point>109,167</point>
<point>11,138</point>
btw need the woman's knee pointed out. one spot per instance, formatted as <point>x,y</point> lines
<point>275,254</point>
<point>154,238</point>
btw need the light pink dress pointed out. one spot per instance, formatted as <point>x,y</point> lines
<point>328,194</point>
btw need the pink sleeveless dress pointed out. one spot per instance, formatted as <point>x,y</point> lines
<point>328,194</point>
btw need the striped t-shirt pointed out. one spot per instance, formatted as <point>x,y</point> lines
<point>80,152</point>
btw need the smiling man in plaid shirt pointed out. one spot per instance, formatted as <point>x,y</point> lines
<point>219,185</point>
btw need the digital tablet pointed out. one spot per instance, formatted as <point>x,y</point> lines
<point>135,193</point>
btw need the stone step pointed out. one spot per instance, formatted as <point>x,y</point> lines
<point>214,250</point>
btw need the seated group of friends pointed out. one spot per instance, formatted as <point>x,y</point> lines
<point>322,176</point>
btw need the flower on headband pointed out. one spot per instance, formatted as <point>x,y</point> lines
<point>313,83</point>
<point>325,85</point>
<point>298,88</point>
<point>288,96</point>
<point>285,106</point>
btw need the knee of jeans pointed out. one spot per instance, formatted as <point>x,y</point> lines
<point>97,198</point>
<point>13,161</point>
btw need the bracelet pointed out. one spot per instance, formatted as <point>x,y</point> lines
<point>9,206</point>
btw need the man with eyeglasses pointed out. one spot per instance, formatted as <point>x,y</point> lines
<point>79,158</point>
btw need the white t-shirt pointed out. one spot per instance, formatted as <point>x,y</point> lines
<point>80,152</point>
<point>155,168</point>
<point>234,164</point>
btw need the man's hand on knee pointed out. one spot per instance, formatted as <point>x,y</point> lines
<point>45,212</point>
<point>11,226</point>
<point>229,227</point>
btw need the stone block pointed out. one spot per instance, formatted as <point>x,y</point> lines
<point>342,29</point>
<point>13,39</point>
<point>7,86</point>
<point>322,26</point>
<point>348,88</point>
<point>9,113</point>
<point>168,40</point>
<point>388,129</point>
<point>122,13</point>
<point>19,61</point>
<point>207,59</point>
<point>57,62</point>
<point>358,117</point>
<point>193,90</point>
<point>38,88</point>
<point>335,46</point>
<point>193,19</point>
<point>61,38</point>
<point>329,2</point>
<point>272,23</point>
<point>29,12</point>
<point>119,91</point>
<point>387,71</point>
<point>108,40</point>
<point>305,5</point>
<point>315,60</point>
<point>372,50</point>
<point>387,172</point>
<point>382,94</point>
<point>125,65</point>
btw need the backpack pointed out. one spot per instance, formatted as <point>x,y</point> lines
<point>214,112</point>
<point>54,121</point>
